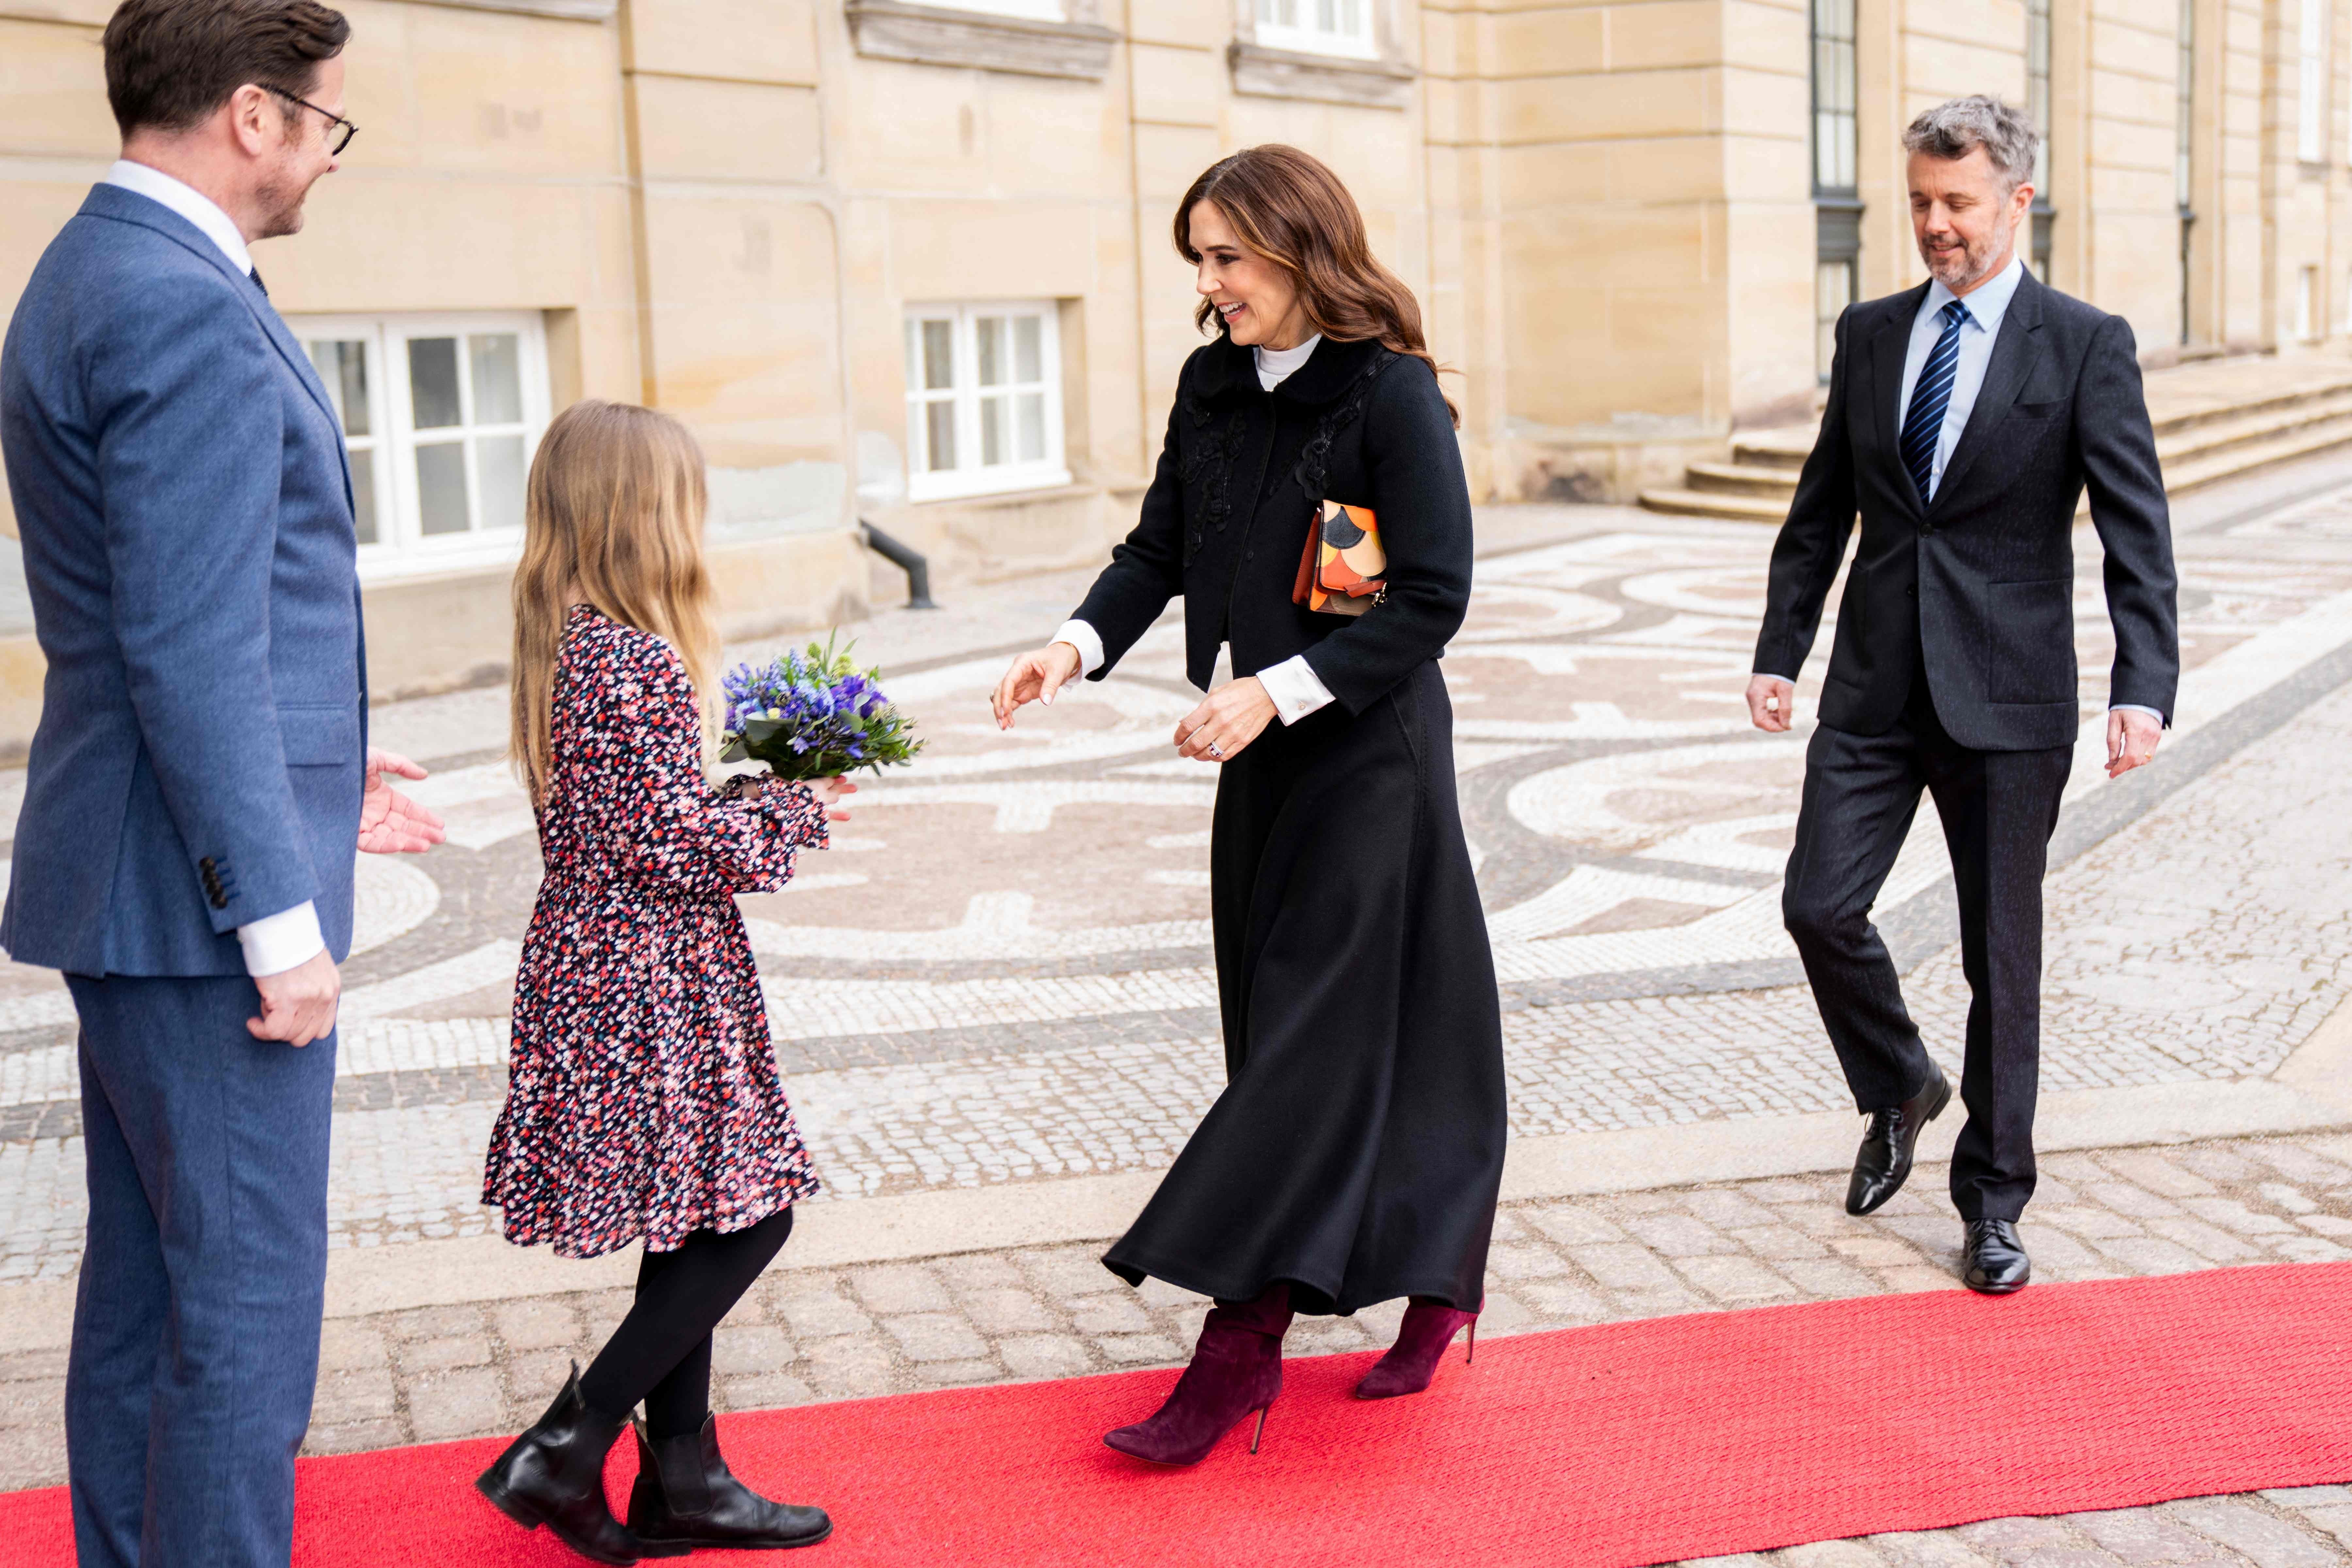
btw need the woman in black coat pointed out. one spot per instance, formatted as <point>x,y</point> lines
<point>1357,1150</point>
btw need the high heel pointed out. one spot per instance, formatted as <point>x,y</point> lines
<point>1428,1328</point>
<point>1236,1371</point>
<point>554,1475</point>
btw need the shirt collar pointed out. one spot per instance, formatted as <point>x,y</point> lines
<point>188,202</point>
<point>1987,302</point>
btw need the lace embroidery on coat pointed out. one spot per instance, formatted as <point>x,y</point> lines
<point>1315,459</point>
<point>1208,470</point>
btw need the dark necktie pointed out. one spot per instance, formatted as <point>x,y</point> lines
<point>1923,424</point>
<point>255,273</point>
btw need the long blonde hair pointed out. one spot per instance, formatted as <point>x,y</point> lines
<point>613,517</point>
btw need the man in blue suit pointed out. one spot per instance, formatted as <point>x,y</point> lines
<point>200,774</point>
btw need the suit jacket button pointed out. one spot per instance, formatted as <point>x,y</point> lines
<point>205,865</point>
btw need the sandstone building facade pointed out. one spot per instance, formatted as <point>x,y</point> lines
<point>909,263</point>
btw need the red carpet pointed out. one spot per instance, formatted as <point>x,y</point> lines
<point>1627,1443</point>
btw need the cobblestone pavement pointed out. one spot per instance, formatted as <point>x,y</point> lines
<point>999,974</point>
<point>814,1334</point>
<point>1037,901</point>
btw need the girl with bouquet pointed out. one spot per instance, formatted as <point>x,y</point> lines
<point>644,1099</point>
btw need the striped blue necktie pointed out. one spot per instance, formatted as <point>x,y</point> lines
<point>1923,424</point>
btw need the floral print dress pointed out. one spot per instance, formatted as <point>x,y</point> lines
<point>643,1097</point>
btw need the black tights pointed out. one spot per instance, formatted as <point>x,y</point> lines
<point>661,1352</point>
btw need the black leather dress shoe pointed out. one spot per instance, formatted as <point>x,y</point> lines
<point>1883,1162</point>
<point>685,1497</point>
<point>1993,1263</point>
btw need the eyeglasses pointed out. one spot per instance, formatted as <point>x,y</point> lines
<point>340,141</point>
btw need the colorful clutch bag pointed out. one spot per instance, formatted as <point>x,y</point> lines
<point>1341,571</point>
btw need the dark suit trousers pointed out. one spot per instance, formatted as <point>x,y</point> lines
<point>1998,809</point>
<point>195,1340</point>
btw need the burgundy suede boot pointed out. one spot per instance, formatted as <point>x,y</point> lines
<point>1236,1368</point>
<point>1428,1328</point>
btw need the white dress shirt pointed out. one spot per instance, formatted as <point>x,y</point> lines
<point>1988,304</point>
<point>290,937</point>
<point>1293,686</point>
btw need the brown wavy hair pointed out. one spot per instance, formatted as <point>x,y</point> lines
<point>1290,208</point>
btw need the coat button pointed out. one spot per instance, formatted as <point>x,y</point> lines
<point>205,865</point>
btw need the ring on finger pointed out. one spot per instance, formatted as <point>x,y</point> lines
<point>1216,750</point>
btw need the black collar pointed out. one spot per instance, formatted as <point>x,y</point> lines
<point>1227,368</point>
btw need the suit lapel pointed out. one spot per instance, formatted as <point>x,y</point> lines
<point>1883,396</point>
<point>2014,353</point>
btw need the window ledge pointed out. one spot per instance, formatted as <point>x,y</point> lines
<point>1326,79</point>
<point>1026,486</point>
<point>940,36</point>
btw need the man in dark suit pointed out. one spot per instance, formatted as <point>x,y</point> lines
<point>1965,417</point>
<point>200,774</point>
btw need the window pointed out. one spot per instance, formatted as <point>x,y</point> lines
<point>441,416</point>
<point>2037,108</point>
<point>1318,26</point>
<point>2184,140</point>
<point>2311,97</point>
<point>2307,324</point>
<point>1833,290</point>
<point>983,400</point>
<point>1837,203</point>
<point>1834,96</point>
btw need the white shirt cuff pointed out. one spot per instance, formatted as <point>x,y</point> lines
<point>1086,640</point>
<point>2136,707</point>
<point>287,940</point>
<point>1295,687</point>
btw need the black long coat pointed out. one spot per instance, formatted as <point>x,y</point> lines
<point>1983,579</point>
<point>1357,1149</point>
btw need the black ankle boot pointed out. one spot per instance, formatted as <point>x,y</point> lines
<point>686,1497</point>
<point>554,1475</point>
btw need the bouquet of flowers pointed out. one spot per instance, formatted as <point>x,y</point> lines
<point>812,716</point>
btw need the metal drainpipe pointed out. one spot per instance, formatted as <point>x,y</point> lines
<point>910,562</point>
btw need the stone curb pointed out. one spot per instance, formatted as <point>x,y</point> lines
<point>2310,1091</point>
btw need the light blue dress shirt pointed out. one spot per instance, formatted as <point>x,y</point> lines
<point>1986,304</point>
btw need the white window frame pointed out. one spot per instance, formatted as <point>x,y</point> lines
<point>1319,27</point>
<point>1048,472</point>
<point>402,548</point>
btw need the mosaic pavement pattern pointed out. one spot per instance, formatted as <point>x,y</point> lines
<point>1000,972</point>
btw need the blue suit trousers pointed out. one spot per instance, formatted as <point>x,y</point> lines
<point>195,1342</point>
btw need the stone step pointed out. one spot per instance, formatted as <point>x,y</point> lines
<point>2197,472</point>
<point>2208,427</point>
<point>2277,422</point>
<point>1740,479</point>
<point>1700,503</point>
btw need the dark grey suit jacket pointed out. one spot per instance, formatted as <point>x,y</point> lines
<point>1981,582</point>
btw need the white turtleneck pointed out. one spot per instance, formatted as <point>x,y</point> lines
<point>1293,686</point>
<point>1274,365</point>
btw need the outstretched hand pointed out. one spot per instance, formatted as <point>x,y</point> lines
<point>1035,677</point>
<point>391,823</point>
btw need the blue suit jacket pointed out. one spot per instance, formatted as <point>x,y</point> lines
<point>185,510</point>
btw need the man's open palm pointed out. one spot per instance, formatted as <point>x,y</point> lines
<point>391,823</point>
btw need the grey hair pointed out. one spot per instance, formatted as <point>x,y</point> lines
<point>1956,128</point>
